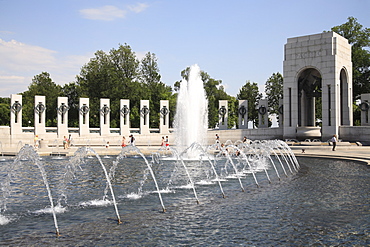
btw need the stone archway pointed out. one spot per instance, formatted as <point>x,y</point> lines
<point>344,98</point>
<point>309,90</point>
<point>317,67</point>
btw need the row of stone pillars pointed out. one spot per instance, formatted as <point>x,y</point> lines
<point>104,110</point>
<point>84,111</point>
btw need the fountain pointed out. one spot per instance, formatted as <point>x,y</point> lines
<point>191,119</point>
<point>313,204</point>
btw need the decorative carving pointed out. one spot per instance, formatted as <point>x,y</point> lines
<point>105,110</point>
<point>84,109</point>
<point>262,110</point>
<point>222,111</point>
<point>63,108</point>
<point>40,108</point>
<point>242,111</point>
<point>364,106</point>
<point>16,107</point>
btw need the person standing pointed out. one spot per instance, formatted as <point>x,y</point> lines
<point>334,141</point>
<point>217,139</point>
<point>162,143</point>
<point>65,142</point>
<point>123,143</point>
<point>132,140</point>
<point>36,141</point>
<point>167,142</point>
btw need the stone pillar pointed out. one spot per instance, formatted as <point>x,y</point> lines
<point>144,117</point>
<point>364,106</point>
<point>222,114</point>
<point>263,114</point>
<point>62,116</point>
<point>104,117</point>
<point>125,117</point>
<point>84,122</point>
<point>164,118</point>
<point>15,114</point>
<point>40,115</point>
<point>243,114</point>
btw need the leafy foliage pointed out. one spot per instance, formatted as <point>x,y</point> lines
<point>5,111</point>
<point>251,93</point>
<point>359,38</point>
<point>274,91</point>
<point>41,84</point>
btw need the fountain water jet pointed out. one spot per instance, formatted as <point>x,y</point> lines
<point>28,153</point>
<point>191,119</point>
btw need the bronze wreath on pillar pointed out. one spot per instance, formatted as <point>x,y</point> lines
<point>40,108</point>
<point>364,106</point>
<point>63,108</point>
<point>262,110</point>
<point>84,109</point>
<point>16,107</point>
<point>105,110</point>
<point>125,110</point>
<point>242,111</point>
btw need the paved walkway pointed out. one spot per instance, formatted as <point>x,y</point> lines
<point>351,152</point>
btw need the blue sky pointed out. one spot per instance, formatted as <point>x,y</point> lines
<point>233,41</point>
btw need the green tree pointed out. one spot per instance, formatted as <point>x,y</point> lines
<point>155,90</point>
<point>214,92</point>
<point>41,84</point>
<point>95,83</point>
<point>73,92</point>
<point>251,93</point>
<point>113,76</point>
<point>5,111</point>
<point>359,38</point>
<point>274,91</point>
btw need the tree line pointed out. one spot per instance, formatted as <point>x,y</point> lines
<point>119,74</point>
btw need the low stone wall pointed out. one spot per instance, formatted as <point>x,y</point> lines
<point>355,133</point>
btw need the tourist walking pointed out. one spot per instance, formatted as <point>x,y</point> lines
<point>162,143</point>
<point>36,141</point>
<point>334,141</point>
<point>132,140</point>
<point>65,142</point>
<point>167,142</point>
<point>217,139</point>
<point>123,143</point>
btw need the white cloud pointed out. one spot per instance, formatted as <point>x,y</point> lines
<point>110,13</point>
<point>17,56</point>
<point>20,62</point>
<point>139,7</point>
<point>105,13</point>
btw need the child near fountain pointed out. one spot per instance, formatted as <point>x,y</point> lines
<point>167,142</point>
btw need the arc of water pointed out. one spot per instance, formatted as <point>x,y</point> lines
<point>277,156</point>
<point>264,153</point>
<point>285,145</point>
<point>71,168</point>
<point>273,164</point>
<point>250,167</point>
<point>109,183</point>
<point>187,173</point>
<point>286,152</point>
<point>154,179</point>
<point>30,154</point>
<point>236,170</point>
<point>284,157</point>
<point>197,145</point>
